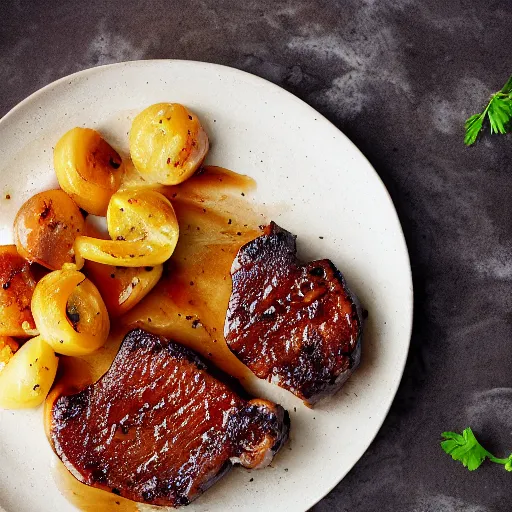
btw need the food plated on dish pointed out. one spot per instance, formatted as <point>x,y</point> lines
<point>163,423</point>
<point>311,180</point>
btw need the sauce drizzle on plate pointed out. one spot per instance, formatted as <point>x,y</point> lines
<point>188,305</point>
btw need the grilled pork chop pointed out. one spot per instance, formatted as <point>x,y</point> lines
<point>295,325</point>
<point>158,428</point>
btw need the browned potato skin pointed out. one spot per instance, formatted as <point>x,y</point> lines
<point>143,228</point>
<point>69,312</point>
<point>167,143</point>
<point>16,288</point>
<point>8,347</point>
<point>45,229</point>
<point>88,169</point>
<point>122,287</point>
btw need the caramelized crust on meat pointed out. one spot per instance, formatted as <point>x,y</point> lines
<point>295,325</point>
<point>158,428</point>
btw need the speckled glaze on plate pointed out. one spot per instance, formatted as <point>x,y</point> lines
<point>315,183</point>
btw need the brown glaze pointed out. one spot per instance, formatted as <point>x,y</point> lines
<point>158,428</point>
<point>87,498</point>
<point>121,288</point>
<point>190,302</point>
<point>45,229</point>
<point>294,325</point>
<point>17,285</point>
<point>212,201</point>
<point>73,375</point>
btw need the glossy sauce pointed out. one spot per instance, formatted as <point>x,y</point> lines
<point>73,375</point>
<point>86,498</point>
<point>17,285</point>
<point>159,428</point>
<point>189,303</point>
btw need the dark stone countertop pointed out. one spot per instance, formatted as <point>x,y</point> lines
<point>399,77</point>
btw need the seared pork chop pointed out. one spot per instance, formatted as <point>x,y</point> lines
<point>296,325</point>
<point>158,428</point>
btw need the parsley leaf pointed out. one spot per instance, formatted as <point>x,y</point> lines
<point>498,111</point>
<point>507,88</point>
<point>466,449</point>
<point>473,126</point>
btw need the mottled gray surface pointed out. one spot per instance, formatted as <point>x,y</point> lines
<point>398,77</point>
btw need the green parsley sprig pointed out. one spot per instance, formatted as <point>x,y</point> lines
<point>466,449</point>
<point>498,111</point>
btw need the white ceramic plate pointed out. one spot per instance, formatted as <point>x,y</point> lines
<point>319,186</point>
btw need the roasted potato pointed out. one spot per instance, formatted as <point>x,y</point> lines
<point>45,229</point>
<point>122,287</point>
<point>167,143</point>
<point>88,169</point>
<point>8,347</point>
<point>16,288</point>
<point>70,313</point>
<point>143,228</point>
<point>28,376</point>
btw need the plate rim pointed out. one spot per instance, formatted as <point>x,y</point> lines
<point>222,68</point>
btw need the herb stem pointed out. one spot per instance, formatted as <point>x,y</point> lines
<point>492,458</point>
<point>498,113</point>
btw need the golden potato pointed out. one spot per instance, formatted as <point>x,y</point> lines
<point>167,143</point>
<point>16,288</point>
<point>45,229</point>
<point>70,313</point>
<point>28,376</point>
<point>88,169</point>
<point>143,228</point>
<point>8,347</point>
<point>122,287</point>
